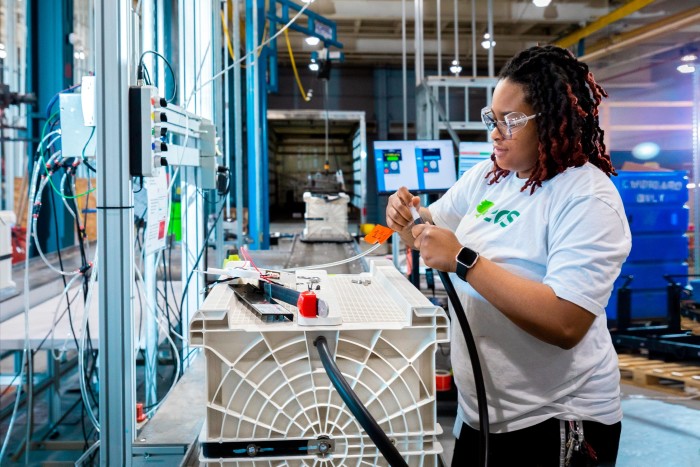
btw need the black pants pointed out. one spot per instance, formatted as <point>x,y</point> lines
<point>537,445</point>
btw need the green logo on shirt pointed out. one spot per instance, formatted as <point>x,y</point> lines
<point>502,217</point>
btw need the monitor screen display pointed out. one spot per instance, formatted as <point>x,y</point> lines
<point>471,153</point>
<point>422,166</point>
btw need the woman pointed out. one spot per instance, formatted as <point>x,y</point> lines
<point>536,236</point>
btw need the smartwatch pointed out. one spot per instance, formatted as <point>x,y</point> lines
<point>466,259</point>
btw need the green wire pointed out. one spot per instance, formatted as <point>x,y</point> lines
<point>43,163</point>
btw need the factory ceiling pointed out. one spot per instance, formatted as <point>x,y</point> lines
<point>618,36</point>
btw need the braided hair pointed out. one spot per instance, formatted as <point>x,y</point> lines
<point>564,93</point>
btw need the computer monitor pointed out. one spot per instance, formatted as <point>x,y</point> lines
<point>471,153</point>
<point>425,166</point>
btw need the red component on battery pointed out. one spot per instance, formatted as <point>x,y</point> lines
<point>140,416</point>
<point>307,304</point>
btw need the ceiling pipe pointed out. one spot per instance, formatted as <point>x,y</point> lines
<point>644,33</point>
<point>625,10</point>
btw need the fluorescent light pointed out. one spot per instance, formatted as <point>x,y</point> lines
<point>689,58</point>
<point>487,43</point>
<point>2,46</point>
<point>456,68</point>
<point>307,1</point>
<point>646,151</point>
<point>541,3</point>
<point>690,186</point>
<point>686,68</point>
<point>312,40</point>
<point>313,66</point>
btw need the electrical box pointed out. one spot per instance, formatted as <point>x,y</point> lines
<point>147,144</point>
<point>270,402</point>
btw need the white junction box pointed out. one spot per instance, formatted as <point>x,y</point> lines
<point>326,218</point>
<point>270,401</point>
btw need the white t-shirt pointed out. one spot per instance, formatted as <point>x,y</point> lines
<point>572,235</point>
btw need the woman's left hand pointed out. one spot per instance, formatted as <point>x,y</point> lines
<point>438,247</point>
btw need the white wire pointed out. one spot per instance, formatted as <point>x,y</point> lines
<point>87,453</point>
<point>255,50</point>
<point>34,233</point>
<point>337,263</point>
<point>27,347</point>
<point>81,346</point>
<point>41,144</point>
<point>55,314</point>
<point>65,201</point>
<point>151,308</point>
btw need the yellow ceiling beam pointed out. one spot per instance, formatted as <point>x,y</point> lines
<point>625,10</point>
<point>659,28</point>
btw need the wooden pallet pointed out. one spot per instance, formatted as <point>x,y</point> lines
<point>677,378</point>
<point>690,325</point>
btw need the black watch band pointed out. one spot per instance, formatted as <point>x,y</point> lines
<point>466,259</point>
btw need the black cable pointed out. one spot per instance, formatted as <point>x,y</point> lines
<point>167,63</point>
<point>375,432</point>
<point>199,256</point>
<point>476,364</point>
<point>141,181</point>
<point>476,368</point>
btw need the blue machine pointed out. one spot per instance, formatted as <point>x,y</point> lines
<point>658,217</point>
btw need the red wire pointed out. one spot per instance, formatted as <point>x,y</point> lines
<point>252,263</point>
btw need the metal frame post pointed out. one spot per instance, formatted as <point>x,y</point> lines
<point>115,214</point>
<point>238,126</point>
<point>258,191</point>
<point>696,169</point>
<point>218,49</point>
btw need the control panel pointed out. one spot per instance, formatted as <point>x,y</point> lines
<point>147,131</point>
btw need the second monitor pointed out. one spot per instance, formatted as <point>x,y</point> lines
<point>422,166</point>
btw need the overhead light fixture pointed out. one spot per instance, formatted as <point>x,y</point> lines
<point>312,40</point>
<point>541,3</point>
<point>313,66</point>
<point>455,68</point>
<point>307,1</point>
<point>687,63</point>
<point>487,43</point>
<point>3,52</point>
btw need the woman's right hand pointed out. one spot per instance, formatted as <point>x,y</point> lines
<point>398,215</point>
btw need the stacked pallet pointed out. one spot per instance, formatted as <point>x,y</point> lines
<point>676,378</point>
<point>690,325</point>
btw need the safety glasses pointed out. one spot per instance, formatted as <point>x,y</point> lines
<point>511,123</point>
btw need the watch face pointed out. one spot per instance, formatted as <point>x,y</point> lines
<point>467,257</point>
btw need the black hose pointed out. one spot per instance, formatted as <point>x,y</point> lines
<point>476,369</point>
<point>380,439</point>
<point>481,401</point>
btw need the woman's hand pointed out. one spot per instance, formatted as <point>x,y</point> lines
<point>438,247</point>
<point>398,216</point>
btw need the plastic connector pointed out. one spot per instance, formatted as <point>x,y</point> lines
<point>308,304</point>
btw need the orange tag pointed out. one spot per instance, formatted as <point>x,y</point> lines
<point>379,234</point>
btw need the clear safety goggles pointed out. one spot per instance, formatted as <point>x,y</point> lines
<point>511,123</point>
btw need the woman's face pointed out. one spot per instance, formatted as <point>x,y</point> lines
<point>519,152</point>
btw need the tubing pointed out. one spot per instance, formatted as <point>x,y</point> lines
<point>473,357</point>
<point>476,369</point>
<point>380,439</point>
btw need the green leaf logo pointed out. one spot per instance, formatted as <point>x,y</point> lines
<point>483,207</point>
